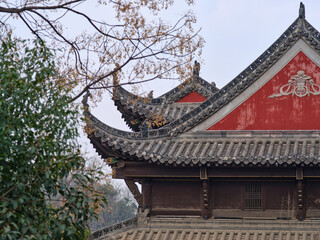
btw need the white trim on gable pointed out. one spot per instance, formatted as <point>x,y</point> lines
<point>300,45</point>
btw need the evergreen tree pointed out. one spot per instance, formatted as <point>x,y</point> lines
<point>39,154</point>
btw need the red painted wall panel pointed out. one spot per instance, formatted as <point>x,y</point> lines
<point>193,97</point>
<point>291,112</point>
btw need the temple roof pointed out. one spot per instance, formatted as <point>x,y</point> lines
<point>136,109</point>
<point>179,142</point>
<point>174,228</point>
<point>243,148</point>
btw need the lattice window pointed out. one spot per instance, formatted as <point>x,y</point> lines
<point>253,196</point>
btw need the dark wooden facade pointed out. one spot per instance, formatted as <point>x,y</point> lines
<point>286,193</point>
<point>239,152</point>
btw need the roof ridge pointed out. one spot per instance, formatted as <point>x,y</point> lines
<point>195,78</point>
<point>116,228</point>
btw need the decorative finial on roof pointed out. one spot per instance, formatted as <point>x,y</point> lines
<point>196,68</point>
<point>150,95</point>
<point>302,12</point>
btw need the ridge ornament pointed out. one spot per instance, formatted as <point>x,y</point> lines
<point>300,85</point>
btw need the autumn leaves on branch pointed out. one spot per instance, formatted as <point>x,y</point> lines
<point>130,40</point>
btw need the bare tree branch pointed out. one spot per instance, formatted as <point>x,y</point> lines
<point>134,47</point>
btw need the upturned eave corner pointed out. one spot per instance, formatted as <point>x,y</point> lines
<point>136,110</point>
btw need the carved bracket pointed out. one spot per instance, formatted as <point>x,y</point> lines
<point>205,194</point>
<point>134,190</point>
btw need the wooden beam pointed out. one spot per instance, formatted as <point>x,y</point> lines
<point>176,211</point>
<point>147,170</point>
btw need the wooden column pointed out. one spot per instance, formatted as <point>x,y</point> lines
<point>301,208</point>
<point>205,207</point>
<point>146,194</point>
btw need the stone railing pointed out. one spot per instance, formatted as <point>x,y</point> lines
<point>114,228</point>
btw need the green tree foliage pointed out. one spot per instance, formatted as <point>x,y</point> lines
<point>39,154</point>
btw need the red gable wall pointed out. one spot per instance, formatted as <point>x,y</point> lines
<point>260,112</point>
<point>193,97</point>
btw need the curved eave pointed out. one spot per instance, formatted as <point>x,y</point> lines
<point>135,109</point>
<point>132,118</point>
<point>225,148</point>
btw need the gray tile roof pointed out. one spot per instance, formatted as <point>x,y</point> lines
<point>199,234</point>
<point>212,229</point>
<point>244,148</point>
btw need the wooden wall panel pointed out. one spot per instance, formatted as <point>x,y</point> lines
<point>176,194</point>
<point>276,195</point>
<point>280,195</point>
<point>313,198</point>
<point>227,195</point>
